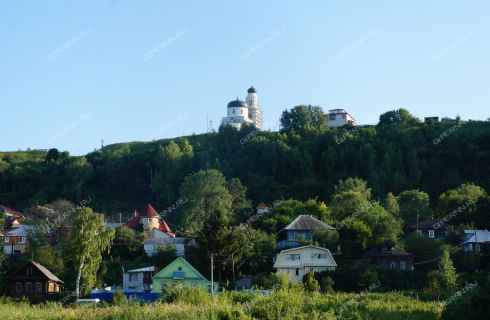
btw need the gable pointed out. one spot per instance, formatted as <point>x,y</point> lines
<point>305,256</point>
<point>179,269</point>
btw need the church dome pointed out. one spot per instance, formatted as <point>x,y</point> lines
<point>237,104</point>
<point>252,90</point>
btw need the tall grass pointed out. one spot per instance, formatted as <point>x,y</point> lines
<point>284,303</point>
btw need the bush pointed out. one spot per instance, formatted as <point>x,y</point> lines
<point>185,294</point>
<point>119,298</point>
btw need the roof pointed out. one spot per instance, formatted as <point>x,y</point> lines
<point>146,269</point>
<point>183,261</point>
<point>262,206</point>
<point>237,104</point>
<point>306,262</point>
<point>164,227</point>
<point>22,230</point>
<point>10,211</point>
<point>477,236</point>
<point>429,224</point>
<point>252,90</point>
<point>387,249</point>
<point>149,212</point>
<point>307,222</point>
<point>9,221</point>
<point>45,271</point>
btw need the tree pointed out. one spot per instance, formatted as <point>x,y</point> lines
<point>89,238</point>
<point>413,204</point>
<point>400,116</point>
<point>390,203</point>
<point>310,283</point>
<point>119,298</point>
<point>3,273</point>
<point>303,118</point>
<point>424,249</point>
<point>133,241</point>
<point>467,204</point>
<point>53,154</point>
<point>445,277</point>
<point>353,184</point>
<point>326,284</point>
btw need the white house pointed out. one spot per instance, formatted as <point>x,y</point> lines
<point>474,239</point>
<point>299,261</point>
<point>340,117</point>
<point>138,280</point>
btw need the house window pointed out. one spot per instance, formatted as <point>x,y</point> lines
<point>344,116</point>
<point>392,265</point>
<point>51,287</point>
<point>297,272</point>
<point>28,287</point>
<point>7,239</point>
<point>39,287</point>
<point>332,117</point>
<point>233,111</point>
<point>431,233</point>
<point>180,268</point>
<point>403,265</point>
<point>133,277</point>
<point>29,271</point>
<point>18,287</point>
<point>318,256</point>
<point>311,269</point>
<point>22,239</point>
<point>293,257</point>
<point>241,111</point>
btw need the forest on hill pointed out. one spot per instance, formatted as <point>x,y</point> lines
<point>304,160</point>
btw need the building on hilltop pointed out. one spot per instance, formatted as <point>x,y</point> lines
<point>244,112</point>
<point>339,117</point>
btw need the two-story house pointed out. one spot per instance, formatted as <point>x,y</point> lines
<point>299,261</point>
<point>158,232</point>
<point>300,231</point>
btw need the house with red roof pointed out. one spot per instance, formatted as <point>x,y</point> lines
<point>149,221</point>
<point>158,232</point>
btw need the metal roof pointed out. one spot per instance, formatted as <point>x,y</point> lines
<point>307,222</point>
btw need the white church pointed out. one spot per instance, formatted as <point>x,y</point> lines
<point>244,112</point>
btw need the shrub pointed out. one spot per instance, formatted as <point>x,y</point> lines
<point>119,298</point>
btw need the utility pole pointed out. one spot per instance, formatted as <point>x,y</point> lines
<point>212,278</point>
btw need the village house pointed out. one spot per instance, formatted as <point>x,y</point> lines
<point>15,240</point>
<point>33,280</point>
<point>179,273</point>
<point>299,261</point>
<point>475,240</point>
<point>432,228</point>
<point>138,280</point>
<point>300,231</point>
<point>158,232</point>
<point>388,257</point>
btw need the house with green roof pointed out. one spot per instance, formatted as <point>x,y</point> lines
<point>180,273</point>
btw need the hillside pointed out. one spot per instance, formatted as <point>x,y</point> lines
<point>272,165</point>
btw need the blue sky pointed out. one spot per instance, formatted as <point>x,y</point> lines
<point>74,72</point>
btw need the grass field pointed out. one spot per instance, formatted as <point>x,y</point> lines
<point>281,304</point>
